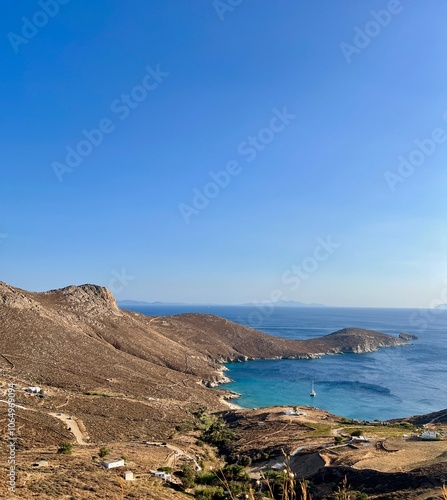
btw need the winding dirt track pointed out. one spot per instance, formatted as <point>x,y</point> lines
<point>72,426</point>
<point>68,421</point>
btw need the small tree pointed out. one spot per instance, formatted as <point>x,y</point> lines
<point>344,492</point>
<point>166,469</point>
<point>357,433</point>
<point>245,460</point>
<point>211,493</point>
<point>65,448</point>
<point>188,476</point>
<point>338,439</point>
<point>103,452</point>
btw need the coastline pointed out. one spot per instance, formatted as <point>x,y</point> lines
<point>230,405</point>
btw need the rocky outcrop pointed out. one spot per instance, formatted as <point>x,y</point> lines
<point>352,340</point>
<point>438,417</point>
<point>16,298</point>
<point>87,299</point>
<point>408,336</point>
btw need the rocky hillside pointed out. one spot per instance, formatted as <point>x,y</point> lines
<point>438,417</point>
<point>76,340</point>
<point>77,336</point>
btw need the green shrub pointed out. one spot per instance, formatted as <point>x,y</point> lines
<point>218,434</point>
<point>188,476</point>
<point>344,492</point>
<point>210,493</point>
<point>245,460</point>
<point>235,472</point>
<point>207,478</point>
<point>166,469</point>
<point>103,452</point>
<point>65,448</point>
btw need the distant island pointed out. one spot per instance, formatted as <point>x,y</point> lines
<point>133,303</point>
<point>280,303</point>
<point>289,303</point>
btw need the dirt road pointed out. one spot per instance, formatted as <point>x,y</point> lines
<point>72,426</point>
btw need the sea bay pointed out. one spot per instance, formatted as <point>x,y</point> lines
<point>389,383</point>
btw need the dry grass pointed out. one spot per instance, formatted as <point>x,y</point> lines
<point>376,431</point>
<point>411,454</point>
<point>304,490</point>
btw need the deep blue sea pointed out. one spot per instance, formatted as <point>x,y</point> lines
<point>390,383</point>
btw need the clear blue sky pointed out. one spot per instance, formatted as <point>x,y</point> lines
<point>222,75</point>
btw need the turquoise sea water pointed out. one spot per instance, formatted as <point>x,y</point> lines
<point>390,383</point>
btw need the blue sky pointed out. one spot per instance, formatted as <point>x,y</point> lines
<point>328,111</point>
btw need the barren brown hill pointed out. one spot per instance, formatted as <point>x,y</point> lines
<point>78,337</point>
<point>76,342</point>
<point>437,417</point>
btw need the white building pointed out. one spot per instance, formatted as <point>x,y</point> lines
<point>163,475</point>
<point>430,436</point>
<point>128,476</point>
<point>33,390</point>
<point>112,464</point>
<point>293,412</point>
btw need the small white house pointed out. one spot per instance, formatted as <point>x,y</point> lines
<point>293,412</point>
<point>430,436</point>
<point>128,475</point>
<point>163,475</point>
<point>33,390</point>
<point>112,464</point>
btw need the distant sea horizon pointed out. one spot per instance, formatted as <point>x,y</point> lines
<point>390,383</point>
<point>127,303</point>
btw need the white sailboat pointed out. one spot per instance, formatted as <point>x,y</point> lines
<point>312,392</point>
